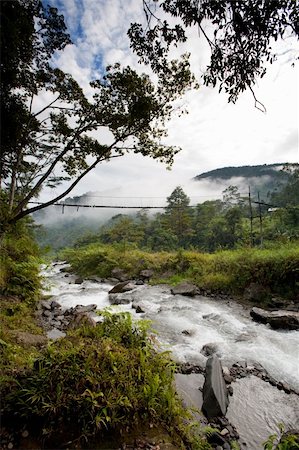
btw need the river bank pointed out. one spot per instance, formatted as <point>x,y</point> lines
<point>260,361</point>
<point>251,351</point>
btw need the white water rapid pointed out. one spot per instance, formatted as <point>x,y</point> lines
<point>184,325</point>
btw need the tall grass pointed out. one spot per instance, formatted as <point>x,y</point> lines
<point>227,271</point>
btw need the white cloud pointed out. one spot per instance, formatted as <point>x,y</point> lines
<point>214,134</point>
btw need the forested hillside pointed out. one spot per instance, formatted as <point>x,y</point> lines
<point>261,178</point>
<point>228,223</point>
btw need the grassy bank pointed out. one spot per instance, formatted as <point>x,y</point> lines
<point>94,382</point>
<point>229,271</point>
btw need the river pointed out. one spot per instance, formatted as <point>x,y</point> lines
<point>184,325</point>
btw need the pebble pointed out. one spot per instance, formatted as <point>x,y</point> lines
<point>10,445</point>
<point>25,434</point>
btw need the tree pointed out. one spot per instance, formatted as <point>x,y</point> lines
<point>124,230</point>
<point>179,216</point>
<point>57,142</point>
<point>240,36</point>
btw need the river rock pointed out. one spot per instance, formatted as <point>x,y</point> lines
<point>209,349</point>
<point>124,286</point>
<point>185,288</point>
<point>120,299</point>
<point>119,274</point>
<point>79,309</point>
<point>215,395</point>
<point>281,319</point>
<point>55,334</point>
<point>45,304</point>
<point>139,310</point>
<point>81,319</point>
<point>78,280</point>
<point>55,304</point>
<point>146,274</point>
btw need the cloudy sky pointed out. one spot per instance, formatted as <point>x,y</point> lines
<point>214,134</point>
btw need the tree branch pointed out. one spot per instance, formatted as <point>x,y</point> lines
<point>46,107</point>
<point>35,189</point>
<point>25,213</point>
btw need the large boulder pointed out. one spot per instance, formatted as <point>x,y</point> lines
<point>215,394</point>
<point>85,308</point>
<point>120,299</point>
<point>119,274</point>
<point>209,349</point>
<point>146,274</point>
<point>281,319</point>
<point>185,288</point>
<point>81,319</point>
<point>122,287</point>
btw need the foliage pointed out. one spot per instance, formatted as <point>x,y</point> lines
<point>96,379</point>
<point>178,216</point>
<point>19,263</point>
<point>240,36</point>
<point>209,226</point>
<point>282,441</point>
<point>227,271</point>
<point>16,316</point>
<point>59,135</point>
<point>289,194</point>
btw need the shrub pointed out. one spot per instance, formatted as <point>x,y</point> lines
<point>104,378</point>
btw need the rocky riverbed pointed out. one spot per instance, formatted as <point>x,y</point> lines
<point>260,365</point>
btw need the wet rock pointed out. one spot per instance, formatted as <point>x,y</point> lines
<point>110,280</point>
<point>79,309</point>
<point>187,368</point>
<point>230,390</point>
<point>55,334</point>
<point>139,310</point>
<point>55,304</point>
<point>60,318</point>
<point>185,288</point>
<point>45,304</point>
<point>228,379</point>
<point>209,349</point>
<point>286,387</point>
<point>119,274</point>
<point>225,371</point>
<point>146,274</point>
<point>81,319</point>
<point>281,319</point>
<point>78,280</point>
<point>120,299</point>
<point>139,283</point>
<point>124,286</point>
<point>216,438</point>
<point>215,395</point>
<point>188,332</point>
<point>224,432</point>
<point>47,313</point>
<point>95,279</point>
